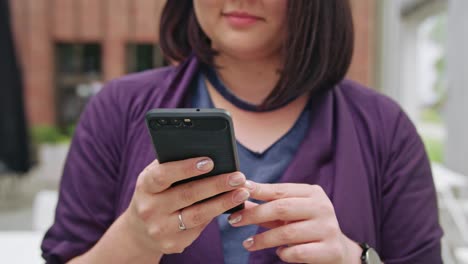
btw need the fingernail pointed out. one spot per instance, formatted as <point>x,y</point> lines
<point>250,185</point>
<point>248,242</point>
<point>279,250</point>
<point>235,220</point>
<point>236,179</point>
<point>204,164</point>
<point>241,196</point>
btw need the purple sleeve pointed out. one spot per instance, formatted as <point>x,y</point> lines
<point>410,227</point>
<point>86,206</point>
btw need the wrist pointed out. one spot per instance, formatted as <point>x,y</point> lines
<point>131,228</point>
<point>353,251</point>
<point>121,244</point>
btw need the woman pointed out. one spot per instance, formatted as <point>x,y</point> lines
<point>331,164</point>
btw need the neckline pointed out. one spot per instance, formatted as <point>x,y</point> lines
<point>301,118</point>
<point>213,77</point>
<point>305,112</point>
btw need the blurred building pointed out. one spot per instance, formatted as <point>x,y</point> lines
<point>68,48</point>
<point>397,74</point>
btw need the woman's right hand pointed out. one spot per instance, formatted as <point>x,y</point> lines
<point>153,214</point>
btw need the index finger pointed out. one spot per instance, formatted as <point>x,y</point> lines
<point>235,218</point>
<point>270,192</point>
<point>158,177</point>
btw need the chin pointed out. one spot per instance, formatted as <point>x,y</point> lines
<point>246,49</point>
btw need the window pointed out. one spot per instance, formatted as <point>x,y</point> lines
<point>142,57</point>
<point>78,77</point>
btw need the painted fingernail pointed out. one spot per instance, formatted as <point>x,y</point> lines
<point>204,164</point>
<point>241,196</point>
<point>235,220</point>
<point>250,185</point>
<point>248,242</point>
<point>236,179</point>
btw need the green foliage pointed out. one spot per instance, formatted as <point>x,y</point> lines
<point>51,134</point>
<point>435,149</point>
<point>431,115</point>
<point>439,85</point>
<point>70,130</point>
<point>438,33</point>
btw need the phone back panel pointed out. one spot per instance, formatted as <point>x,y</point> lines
<point>210,135</point>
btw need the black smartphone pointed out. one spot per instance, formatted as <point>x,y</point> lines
<point>179,134</point>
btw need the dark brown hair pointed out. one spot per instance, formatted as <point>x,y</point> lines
<point>317,51</point>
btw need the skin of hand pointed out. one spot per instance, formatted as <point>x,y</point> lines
<point>301,222</point>
<point>153,214</point>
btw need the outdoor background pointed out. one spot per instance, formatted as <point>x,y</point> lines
<point>412,50</point>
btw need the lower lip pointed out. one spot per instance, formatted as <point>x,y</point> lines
<point>237,21</point>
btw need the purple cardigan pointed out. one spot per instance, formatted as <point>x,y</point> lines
<point>361,148</point>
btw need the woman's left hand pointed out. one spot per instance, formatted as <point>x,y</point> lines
<point>302,223</point>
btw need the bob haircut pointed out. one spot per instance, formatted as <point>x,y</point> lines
<point>317,49</point>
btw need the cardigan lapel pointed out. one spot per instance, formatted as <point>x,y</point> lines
<point>312,163</point>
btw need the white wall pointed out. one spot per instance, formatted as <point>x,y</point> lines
<point>457,104</point>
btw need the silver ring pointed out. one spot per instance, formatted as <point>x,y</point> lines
<point>181,223</point>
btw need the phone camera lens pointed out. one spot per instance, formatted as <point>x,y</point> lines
<point>162,122</point>
<point>154,124</point>
<point>176,122</point>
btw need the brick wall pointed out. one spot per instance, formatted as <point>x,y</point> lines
<point>31,24</point>
<point>362,67</point>
<point>39,24</point>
